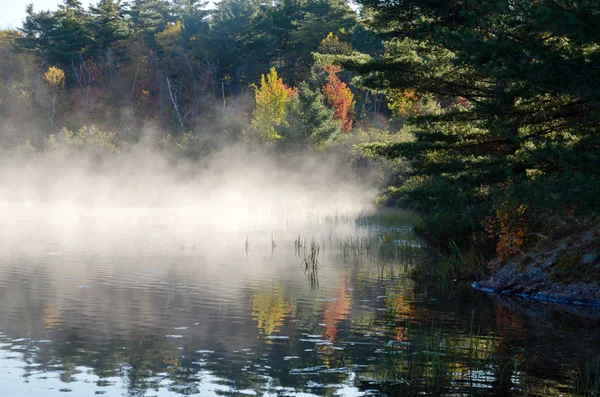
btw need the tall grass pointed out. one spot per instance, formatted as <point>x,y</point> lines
<point>586,381</point>
<point>310,263</point>
<point>452,265</point>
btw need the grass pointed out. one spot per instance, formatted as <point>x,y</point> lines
<point>399,243</point>
<point>310,264</point>
<point>586,382</point>
<point>387,217</point>
<point>455,265</point>
<point>389,242</point>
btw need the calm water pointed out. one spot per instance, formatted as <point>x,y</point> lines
<point>152,302</point>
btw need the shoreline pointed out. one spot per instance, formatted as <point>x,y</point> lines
<point>564,271</point>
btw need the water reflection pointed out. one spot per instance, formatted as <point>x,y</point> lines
<point>269,309</point>
<point>125,311</point>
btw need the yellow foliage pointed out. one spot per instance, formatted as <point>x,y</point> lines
<point>272,101</point>
<point>170,37</point>
<point>332,45</point>
<point>55,77</point>
<point>87,138</point>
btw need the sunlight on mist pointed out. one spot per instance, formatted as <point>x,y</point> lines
<point>231,188</point>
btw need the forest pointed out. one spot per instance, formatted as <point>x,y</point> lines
<point>481,116</point>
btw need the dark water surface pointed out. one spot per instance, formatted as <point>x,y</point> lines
<point>152,302</point>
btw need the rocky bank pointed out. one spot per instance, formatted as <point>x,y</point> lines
<point>565,271</point>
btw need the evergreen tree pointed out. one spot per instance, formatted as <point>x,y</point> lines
<point>109,27</point>
<point>148,17</point>
<point>193,15</point>
<point>72,39</point>
<point>242,38</point>
<point>521,108</point>
<point>311,122</point>
<point>285,17</point>
<point>320,18</point>
<point>59,38</point>
<point>37,31</point>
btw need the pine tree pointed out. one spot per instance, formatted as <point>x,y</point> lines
<point>521,108</point>
<point>242,39</point>
<point>319,18</point>
<point>71,40</point>
<point>316,122</point>
<point>109,28</point>
<point>149,17</point>
<point>37,31</point>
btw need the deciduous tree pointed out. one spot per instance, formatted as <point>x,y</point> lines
<point>339,97</point>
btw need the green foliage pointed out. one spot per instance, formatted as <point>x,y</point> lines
<point>309,122</point>
<point>187,145</point>
<point>519,108</point>
<point>25,148</point>
<point>61,37</point>
<point>242,39</point>
<point>109,29</point>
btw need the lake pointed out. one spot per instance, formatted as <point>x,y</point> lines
<point>185,301</point>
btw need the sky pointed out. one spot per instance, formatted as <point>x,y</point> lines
<point>12,12</point>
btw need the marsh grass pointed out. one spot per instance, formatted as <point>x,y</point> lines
<point>386,248</point>
<point>310,263</point>
<point>399,243</point>
<point>450,266</point>
<point>586,380</point>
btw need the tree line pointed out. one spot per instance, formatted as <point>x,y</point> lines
<point>488,111</point>
<point>177,63</point>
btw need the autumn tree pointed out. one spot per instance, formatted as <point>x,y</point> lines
<point>340,97</point>
<point>273,98</point>
<point>55,78</point>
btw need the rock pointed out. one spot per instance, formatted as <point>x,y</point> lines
<point>565,271</point>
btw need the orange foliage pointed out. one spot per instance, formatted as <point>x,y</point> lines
<point>340,97</point>
<point>509,225</point>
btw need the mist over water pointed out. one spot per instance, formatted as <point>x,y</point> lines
<point>226,184</point>
<point>144,274</point>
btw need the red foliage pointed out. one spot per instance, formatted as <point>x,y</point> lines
<point>340,97</point>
